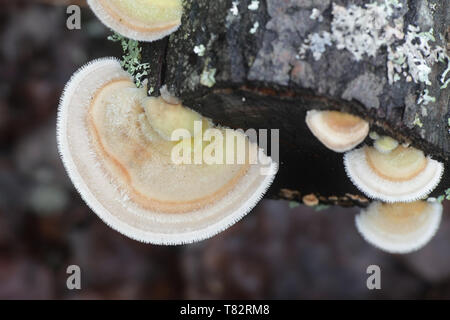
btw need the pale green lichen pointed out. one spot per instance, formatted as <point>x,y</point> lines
<point>415,57</point>
<point>445,196</point>
<point>200,50</point>
<point>373,135</point>
<point>316,43</point>
<point>417,121</point>
<point>359,30</point>
<point>433,7</point>
<point>234,8</point>
<point>207,78</point>
<point>321,207</point>
<point>254,5</point>
<point>363,30</point>
<point>444,74</point>
<point>425,98</point>
<point>293,204</point>
<point>131,59</point>
<point>316,15</point>
<point>254,28</point>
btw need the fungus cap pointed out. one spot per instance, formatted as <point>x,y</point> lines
<point>143,20</point>
<point>338,131</point>
<point>403,175</point>
<point>310,200</point>
<point>124,171</point>
<point>399,227</point>
<point>385,144</point>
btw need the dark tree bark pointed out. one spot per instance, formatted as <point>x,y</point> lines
<point>260,82</point>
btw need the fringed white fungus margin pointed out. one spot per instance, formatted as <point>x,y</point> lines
<point>337,141</point>
<point>376,187</point>
<point>371,229</point>
<point>109,201</point>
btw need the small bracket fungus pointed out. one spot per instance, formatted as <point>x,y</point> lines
<point>399,227</point>
<point>143,20</point>
<point>338,131</point>
<point>165,118</point>
<point>113,141</point>
<point>403,175</point>
<point>385,144</point>
<point>310,200</point>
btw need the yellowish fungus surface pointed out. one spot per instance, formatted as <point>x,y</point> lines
<point>385,144</point>
<point>402,175</point>
<point>399,227</point>
<point>401,164</point>
<point>338,131</point>
<point>113,142</point>
<point>165,118</point>
<point>145,167</point>
<point>342,122</point>
<point>149,13</point>
<point>144,20</point>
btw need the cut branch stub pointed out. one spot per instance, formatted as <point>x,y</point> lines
<point>266,67</point>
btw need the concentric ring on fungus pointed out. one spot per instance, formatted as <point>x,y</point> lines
<point>399,227</point>
<point>402,175</point>
<point>338,131</point>
<point>122,167</point>
<point>143,20</point>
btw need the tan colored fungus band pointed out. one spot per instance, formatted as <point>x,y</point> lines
<point>143,20</point>
<point>123,169</point>
<point>402,175</point>
<point>338,131</point>
<point>399,227</point>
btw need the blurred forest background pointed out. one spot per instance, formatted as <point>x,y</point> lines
<point>275,252</point>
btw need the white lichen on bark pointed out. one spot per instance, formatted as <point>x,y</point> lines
<point>364,30</point>
<point>254,5</point>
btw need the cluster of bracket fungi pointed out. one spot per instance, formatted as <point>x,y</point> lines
<point>398,176</point>
<point>115,142</point>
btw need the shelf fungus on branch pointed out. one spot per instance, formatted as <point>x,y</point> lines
<point>385,144</point>
<point>402,175</point>
<point>116,147</point>
<point>399,227</point>
<point>142,20</point>
<point>338,131</point>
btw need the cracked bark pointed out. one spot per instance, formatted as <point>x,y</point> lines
<point>260,83</point>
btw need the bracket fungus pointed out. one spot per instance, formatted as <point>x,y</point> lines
<point>403,175</point>
<point>338,131</point>
<point>113,142</point>
<point>399,227</point>
<point>142,20</point>
<point>385,144</point>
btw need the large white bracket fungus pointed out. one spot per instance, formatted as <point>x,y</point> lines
<point>142,20</point>
<point>402,175</point>
<point>399,227</point>
<point>110,142</point>
<point>338,131</point>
